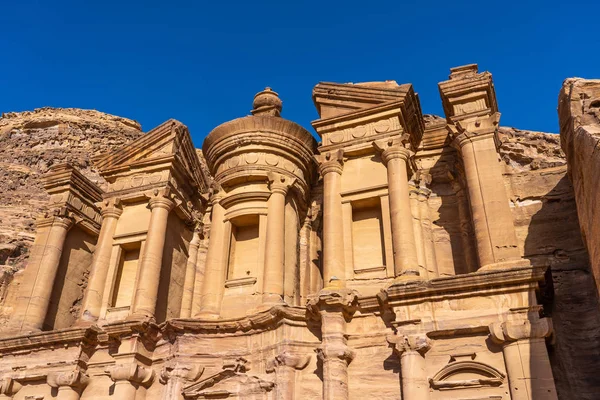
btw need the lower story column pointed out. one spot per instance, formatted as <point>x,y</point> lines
<point>526,357</point>
<point>411,351</point>
<point>334,308</point>
<point>285,365</point>
<point>70,384</point>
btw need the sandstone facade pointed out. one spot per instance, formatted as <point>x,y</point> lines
<point>403,256</point>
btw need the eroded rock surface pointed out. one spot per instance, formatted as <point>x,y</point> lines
<point>30,143</point>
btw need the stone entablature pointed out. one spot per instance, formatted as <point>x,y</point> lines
<point>298,271</point>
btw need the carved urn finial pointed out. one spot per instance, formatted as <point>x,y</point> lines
<point>267,102</point>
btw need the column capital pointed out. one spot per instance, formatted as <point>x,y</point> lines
<point>331,161</point>
<point>75,379</point>
<point>335,352</point>
<point>178,370</point>
<point>160,201</point>
<point>510,331</point>
<point>110,207</point>
<point>411,343</point>
<point>131,372</point>
<point>333,300</point>
<point>9,387</point>
<point>288,359</point>
<point>279,183</point>
<point>392,148</point>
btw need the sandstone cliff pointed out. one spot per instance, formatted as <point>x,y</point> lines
<point>30,143</point>
<point>546,223</point>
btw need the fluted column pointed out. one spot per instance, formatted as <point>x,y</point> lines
<point>411,351</point>
<point>175,375</point>
<point>285,365</point>
<point>214,273</point>
<point>36,290</point>
<point>70,384</point>
<point>275,243</point>
<point>526,357</point>
<point>333,307</point>
<point>92,300</point>
<point>8,388</point>
<point>395,158</point>
<point>331,167</point>
<point>128,378</point>
<point>187,297</point>
<point>144,303</point>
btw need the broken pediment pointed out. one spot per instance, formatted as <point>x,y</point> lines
<point>232,382</point>
<point>466,374</point>
<point>168,146</point>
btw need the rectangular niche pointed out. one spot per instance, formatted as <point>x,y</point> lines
<point>125,281</point>
<point>244,248</point>
<point>367,236</point>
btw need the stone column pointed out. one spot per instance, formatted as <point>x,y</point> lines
<point>70,384</point>
<point>92,300</point>
<point>426,226</point>
<point>490,210</point>
<point>418,229</point>
<point>216,258</point>
<point>331,167</point>
<point>175,375</point>
<point>411,350</point>
<point>36,291</point>
<point>144,302</point>
<point>526,357</point>
<point>187,297</point>
<point>333,307</point>
<point>8,388</point>
<point>285,365</point>
<point>395,158</point>
<point>128,378</point>
<point>275,243</point>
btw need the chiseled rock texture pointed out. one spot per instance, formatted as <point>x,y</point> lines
<point>545,214</point>
<point>30,143</point>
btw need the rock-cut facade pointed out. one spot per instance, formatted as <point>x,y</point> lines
<point>403,256</point>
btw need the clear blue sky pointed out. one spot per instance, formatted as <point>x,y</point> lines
<point>202,62</point>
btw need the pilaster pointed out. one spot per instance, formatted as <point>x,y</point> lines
<point>8,388</point>
<point>175,375</point>
<point>128,378</point>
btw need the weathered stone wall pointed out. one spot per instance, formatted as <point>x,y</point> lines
<point>30,143</point>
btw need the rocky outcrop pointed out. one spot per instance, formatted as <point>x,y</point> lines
<point>545,214</point>
<point>30,143</point>
<point>579,115</point>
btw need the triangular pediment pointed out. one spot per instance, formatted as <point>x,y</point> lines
<point>168,143</point>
